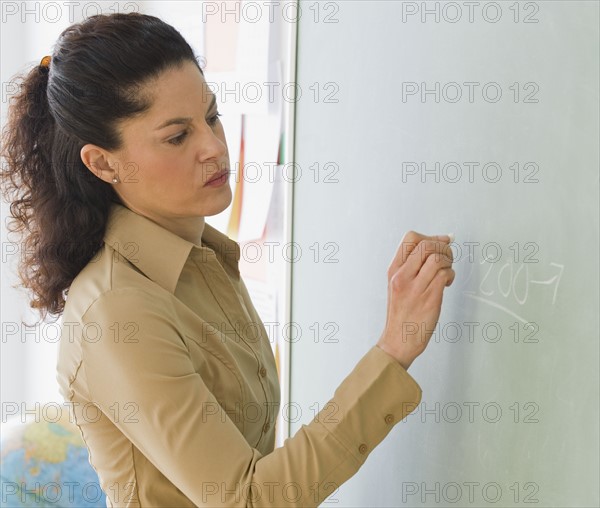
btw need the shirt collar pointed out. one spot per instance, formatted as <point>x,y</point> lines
<point>159,253</point>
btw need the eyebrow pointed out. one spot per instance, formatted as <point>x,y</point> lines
<point>184,119</point>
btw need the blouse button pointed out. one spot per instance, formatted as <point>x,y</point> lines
<point>266,426</point>
<point>362,448</point>
<point>389,418</point>
<point>263,372</point>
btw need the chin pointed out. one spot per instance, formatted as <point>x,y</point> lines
<point>222,203</point>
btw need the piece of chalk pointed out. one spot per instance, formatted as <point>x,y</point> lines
<point>451,235</point>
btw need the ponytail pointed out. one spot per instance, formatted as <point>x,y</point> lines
<point>58,206</point>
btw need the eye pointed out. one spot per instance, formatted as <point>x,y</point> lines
<point>213,119</point>
<point>179,139</point>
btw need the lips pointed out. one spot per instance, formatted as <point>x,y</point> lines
<point>219,175</point>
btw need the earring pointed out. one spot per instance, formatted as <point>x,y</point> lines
<point>115,179</point>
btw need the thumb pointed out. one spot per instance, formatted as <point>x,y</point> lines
<point>444,238</point>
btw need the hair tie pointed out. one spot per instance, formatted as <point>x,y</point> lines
<point>45,62</point>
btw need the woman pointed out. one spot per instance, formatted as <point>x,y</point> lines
<point>115,154</point>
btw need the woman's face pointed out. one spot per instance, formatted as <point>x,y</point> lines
<point>172,150</point>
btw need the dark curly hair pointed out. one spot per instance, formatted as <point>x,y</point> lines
<point>97,70</point>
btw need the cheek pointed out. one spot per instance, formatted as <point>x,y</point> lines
<point>165,171</point>
<point>176,173</point>
<point>156,172</point>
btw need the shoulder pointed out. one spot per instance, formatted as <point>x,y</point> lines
<point>127,326</point>
<point>108,281</point>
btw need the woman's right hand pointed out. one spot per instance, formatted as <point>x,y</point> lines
<point>417,276</point>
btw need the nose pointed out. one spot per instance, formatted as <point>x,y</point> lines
<point>210,145</point>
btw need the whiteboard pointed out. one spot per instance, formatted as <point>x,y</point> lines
<point>481,120</point>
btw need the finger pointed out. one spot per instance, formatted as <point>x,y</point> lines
<point>452,277</point>
<point>442,278</point>
<point>433,264</point>
<point>407,245</point>
<point>417,259</point>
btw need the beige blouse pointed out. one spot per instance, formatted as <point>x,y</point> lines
<point>171,379</point>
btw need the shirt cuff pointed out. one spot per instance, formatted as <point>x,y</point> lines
<point>376,395</point>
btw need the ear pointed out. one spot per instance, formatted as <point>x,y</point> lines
<point>96,159</point>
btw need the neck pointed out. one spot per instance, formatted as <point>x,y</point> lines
<point>188,228</point>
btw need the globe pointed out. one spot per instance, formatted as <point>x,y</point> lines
<point>44,462</point>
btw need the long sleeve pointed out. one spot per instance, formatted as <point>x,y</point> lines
<point>134,356</point>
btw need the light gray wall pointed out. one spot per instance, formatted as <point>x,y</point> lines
<point>543,444</point>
